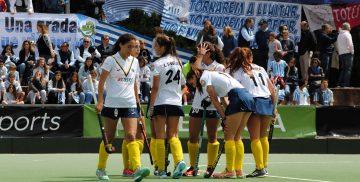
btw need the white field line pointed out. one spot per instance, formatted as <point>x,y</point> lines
<point>299,179</point>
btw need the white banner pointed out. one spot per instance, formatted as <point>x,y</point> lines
<point>317,15</point>
<point>186,17</point>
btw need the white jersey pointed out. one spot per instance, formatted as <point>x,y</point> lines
<point>222,82</point>
<point>120,82</point>
<point>169,71</point>
<point>214,66</point>
<point>257,84</point>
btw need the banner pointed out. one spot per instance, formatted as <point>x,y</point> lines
<point>186,17</point>
<point>348,13</point>
<point>48,121</point>
<point>317,15</point>
<point>293,122</point>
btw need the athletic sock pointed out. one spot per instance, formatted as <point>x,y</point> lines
<point>230,154</point>
<point>239,157</point>
<point>134,155</point>
<point>125,154</point>
<point>257,153</point>
<point>141,145</point>
<point>176,149</point>
<point>193,149</point>
<point>212,152</point>
<point>160,154</point>
<point>266,148</point>
<point>103,156</point>
<point>153,150</point>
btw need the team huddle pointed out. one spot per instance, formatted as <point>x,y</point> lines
<point>234,92</point>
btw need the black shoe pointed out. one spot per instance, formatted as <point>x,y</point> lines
<point>258,173</point>
<point>208,172</point>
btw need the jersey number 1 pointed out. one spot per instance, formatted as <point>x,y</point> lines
<point>261,77</point>
<point>171,78</point>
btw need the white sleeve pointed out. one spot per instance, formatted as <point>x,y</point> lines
<point>246,35</point>
<point>72,59</point>
<point>108,64</point>
<point>205,79</point>
<point>220,43</point>
<point>155,69</point>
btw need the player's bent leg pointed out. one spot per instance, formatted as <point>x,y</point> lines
<point>240,151</point>
<point>192,144</point>
<point>265,122</point>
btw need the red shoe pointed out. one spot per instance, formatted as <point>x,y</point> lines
<point>128,173</point>
<point>225,174</point>
<point>239,174</point>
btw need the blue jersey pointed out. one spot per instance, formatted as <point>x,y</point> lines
<point>324,97</point>
<point>277,69</point>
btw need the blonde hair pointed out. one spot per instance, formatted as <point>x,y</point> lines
<point>43,28</point>
<point>228,31</point>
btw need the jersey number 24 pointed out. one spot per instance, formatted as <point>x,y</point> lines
<point>171,78</point>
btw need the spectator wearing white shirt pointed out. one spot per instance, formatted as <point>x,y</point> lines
<point>11,81</point>
<point>9,56</point>
<point>65,59</point>
<point>28,4</point>
<point>246,34</point>
<point>43,68</point>
<point>144,79</point>
<point>301,94</point>
<point>56,88</point>
<point>84,51</point>
<point>3,69</point>
<point>10,96</point>
<point>12,69</point>
<point>345,48</point>
<point>87,87</point>
<point>74,90</point>
<point>85,69</point>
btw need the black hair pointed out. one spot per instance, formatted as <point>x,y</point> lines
<point>123,39</point>
<point>168,43</point>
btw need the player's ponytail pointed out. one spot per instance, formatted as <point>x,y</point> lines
<point>168,43</point>
<point>240,58</point>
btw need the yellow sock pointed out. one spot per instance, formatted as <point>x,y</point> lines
<point>257,153</point>
<point>134,155</point>
<point>103,156</point>
<point>266,148</point>
<point>176,149</point>
<point>125,154</point>
<point>239,157</point>
<point>153,150</point>
<point>212,152</point>
<point>160,153</point>
<point>193,149</point>
<point>230,154</point>
<point>141,145</point>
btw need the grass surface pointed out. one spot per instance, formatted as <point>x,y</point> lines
<point>81,167</point>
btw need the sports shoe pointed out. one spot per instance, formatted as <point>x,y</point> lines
<point>239,174</point>
<point>141,173</point>
<point>225,174</point>
<point>128,173</point>
<point>101,174</point>
<point>189,172</point>
<point>207,172</point>
<point>178,171</point>
<point>162,174</point>
<point>266,172</point>
<point>156,171</point>
<point>257,173</point>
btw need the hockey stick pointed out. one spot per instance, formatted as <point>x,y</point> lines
<point>141,120</point>
<point>108,148</point>
<point>167,152</point>
<point>196,167</point>
<point>222,147</point>
<point>271,130</point>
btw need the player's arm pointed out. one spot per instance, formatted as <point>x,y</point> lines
<point>154,92</point>
<point>215,101</point>
<point>103,76</point>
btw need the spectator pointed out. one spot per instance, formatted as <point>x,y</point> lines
<point>3,6</point>
<point>281,30</point>
<point>9,56</point>
<point>277,67</point>
<point>291,76</point>
<point>261,38</point>
<point>10,96</point>
<point>324,96</point>
<point>11,80</point>
<point>210,36</point>
<point>56,88</point>
<point>19,3</point>
<point>246,34</point>
<point>204,31</point>
<point>105,49</point>
<point>229,41</point>
<point>43,68</point>
<point>44,45</point>
<point>306,47</point>
<point>84,51</point>
<point>3,69</point>
<point>54,6</point>
<point>326,40</point>
<point>74,90</point>
<point>145,53</point>
<point>26,61</point>
<point>144,79</point>
<point>316,74</point>
<point>37,88</point>
<point>12,70</point>
<point>84,71</point>
<point>65,60</point>
<point>301,94</point>
<point>87,87</point>
<point>346,54</point>
<point>274,46</point>
<point>102,17</point>
<point>288,46</point>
